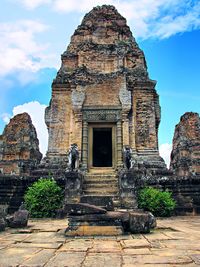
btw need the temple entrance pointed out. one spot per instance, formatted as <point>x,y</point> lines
<point>101,146</point>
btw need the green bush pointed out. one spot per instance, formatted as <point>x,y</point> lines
<point>160,203</point>
<point>43,198</point>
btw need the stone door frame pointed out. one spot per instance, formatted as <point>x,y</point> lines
<point>91,126</point>
<point>102,116</point>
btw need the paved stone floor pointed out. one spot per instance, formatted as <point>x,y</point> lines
<point>175,242</point>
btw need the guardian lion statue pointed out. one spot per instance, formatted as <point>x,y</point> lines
<point>127,157</point>
<point>73,157</point>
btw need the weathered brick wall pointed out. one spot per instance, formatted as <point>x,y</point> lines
<point>185,156</point>
<point>59,120</point>
<point>104,94</point>
<point>144,120</point>
<point>103,67</point>
<point>13,188</point>
<point>19,145</point>
<point>186,191</point>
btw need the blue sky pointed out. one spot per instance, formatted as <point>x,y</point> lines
<point>34,33</point>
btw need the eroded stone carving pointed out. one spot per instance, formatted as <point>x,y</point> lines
<point>127,157</point>
<point>185,156</point>
<point>73,157</point>
<point>19,146</point>
<point>102,115</point>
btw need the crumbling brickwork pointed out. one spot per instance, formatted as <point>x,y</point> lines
<point>185,156</point>
<point>103,70</point>
<point>19,146</point>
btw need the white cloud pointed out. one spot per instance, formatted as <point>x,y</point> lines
<point>36,111</point>
<point>31,4</point>
<point>165,152</point>
<point>79,6</point>
<point>5,117</point>
<point>149,18</point>
<point>19,50</point>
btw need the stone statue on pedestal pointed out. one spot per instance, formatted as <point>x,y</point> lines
<point>73,157</point>
<point>127,157</point>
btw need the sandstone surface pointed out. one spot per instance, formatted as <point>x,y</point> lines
<point>103,79</point>
<point>19,146</point>
<point>185,156</point>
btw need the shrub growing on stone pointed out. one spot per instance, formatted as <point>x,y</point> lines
<point>160,203</point>
<point>43,198</point>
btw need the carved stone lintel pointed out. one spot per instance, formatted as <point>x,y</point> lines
<point>102,115</point>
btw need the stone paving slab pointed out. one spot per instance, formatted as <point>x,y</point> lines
<point>67,259</point>
<point>40,258</point>
<point>157,236</point>
<point>15,237</point>
<point>77,245</point>
<point>16,256</point>
<point>103,259</point>
<point>100,246</point>
<point>176,242</point>
<point>135,243</point>
<point>137,251</point>
<point>53,245</point>
<point>152,259</point>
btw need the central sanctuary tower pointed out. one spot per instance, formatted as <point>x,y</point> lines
<point>103,99</point>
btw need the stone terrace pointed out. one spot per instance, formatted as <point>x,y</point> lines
<point>175,242</point>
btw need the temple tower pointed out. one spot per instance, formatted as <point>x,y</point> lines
<point>102,97</point>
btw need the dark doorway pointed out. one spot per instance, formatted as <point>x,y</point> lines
<point>102,147</point>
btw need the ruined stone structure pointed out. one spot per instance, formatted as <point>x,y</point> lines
<point>102,97</point>
<point>185,156</point>
<point>19,146</point>
<point>103,121</point>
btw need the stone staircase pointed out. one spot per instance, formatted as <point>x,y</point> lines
<point>101,184</point>
<point>101,189</point>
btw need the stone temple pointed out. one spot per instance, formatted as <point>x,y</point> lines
<point>102,97</point>
<point>105,106</point>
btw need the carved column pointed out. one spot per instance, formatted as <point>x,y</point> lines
<point>125,129</point>
<point>77,131</point>
<point>85,145</point>
<point>119,143</point>
<point>133,122</point>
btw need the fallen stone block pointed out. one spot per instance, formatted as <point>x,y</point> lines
<point>19,219</point>
<point>2,220</point>
<point>88,230</point>
<point>83,208</point>
<point>141,222</point>
<point>100,201</point>
<point>85,219</point>
<point>2,224</point>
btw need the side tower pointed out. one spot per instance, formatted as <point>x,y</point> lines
<point>102,97</point>
<point>185,156</point>
<point>19,147</point>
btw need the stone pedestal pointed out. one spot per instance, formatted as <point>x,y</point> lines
<point>73,186</point>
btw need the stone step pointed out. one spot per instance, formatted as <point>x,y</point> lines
<point>101,182</point>
<point>117,203</point>
<point>100,178</point>
<point>107,191</point>
<point>97,178</point>
<point>101,185</point>
<point>101,174</point>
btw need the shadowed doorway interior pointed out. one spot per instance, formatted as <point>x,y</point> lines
<point>102,147</point>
